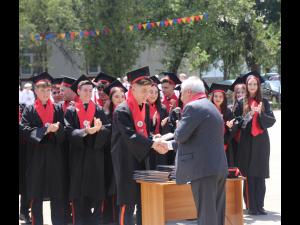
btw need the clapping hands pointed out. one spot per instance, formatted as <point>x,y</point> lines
<point>97,126</point>
<point>53,127</point>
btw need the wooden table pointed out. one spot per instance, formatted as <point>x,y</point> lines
<point>163,202</point>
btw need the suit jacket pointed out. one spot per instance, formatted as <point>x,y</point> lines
<point>200,142</point>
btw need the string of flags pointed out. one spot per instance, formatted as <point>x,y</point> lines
<point>71,35</point>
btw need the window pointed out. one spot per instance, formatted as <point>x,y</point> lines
<point>25,63</point>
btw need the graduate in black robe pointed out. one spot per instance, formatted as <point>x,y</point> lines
<point>43,129</point>
<point>69,98</point>
<point>254,147</point>
<point>158,112</point>
<point>24,201</point>
<point>88,131</point>
<point>218,97</point>
<point>131,144</point>
<point>116,93</point>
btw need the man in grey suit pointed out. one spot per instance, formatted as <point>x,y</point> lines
<point>200,157</point>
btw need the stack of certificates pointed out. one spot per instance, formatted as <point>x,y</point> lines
<point>151,175</point>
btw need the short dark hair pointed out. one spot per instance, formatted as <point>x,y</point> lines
<point>165,80</point>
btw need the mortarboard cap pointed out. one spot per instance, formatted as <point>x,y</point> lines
<point>138,74</point>
<point>254,73</point>
<point>57,81</point>
<point>74,86</point>
<point>171,77</point>
<point>68,81</point>
<point>155,80</point>
<point>238,80</point>
<point>41,77</point>
<point>116,83</point>
<point>205,85</point>
<point>218,88</point>
<point>103,77</point>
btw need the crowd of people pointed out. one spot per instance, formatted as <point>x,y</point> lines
<point>81,140</point>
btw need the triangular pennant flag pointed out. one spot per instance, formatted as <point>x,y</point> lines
<point>81,33</point>
<point>76,33</point>
<point>97,32</point>
<point>192,18</point>
<point>86,33</point>
<point>62,35</point>
<point>72,35</point>
<point>205,16</point>
<point>188,19</point>
<point>174,21</point>
<point>135,27</point>
<point>197,18</point>
<point>161,23</point>
<point>131,27</point>
<point>201,17</point>
<point>183,19</point>
<point>166,22</point>
<point>140,26</point>
<point>152,24</point>
<point>144,25</point>
<point>157,23</point>
<point>179,20</point>
<point>148,26</point>
<point>171,22</point>
<point>32,37</point>
<point>92,33</point>
<point>37,37</point>
<point>67,35</point>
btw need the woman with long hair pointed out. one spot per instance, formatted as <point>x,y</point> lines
<point>116,95</point>
<point>158,112</point>
<point>254,146</point>
<point>219,99</point>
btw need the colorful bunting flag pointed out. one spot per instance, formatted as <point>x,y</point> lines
<point>140,26</point>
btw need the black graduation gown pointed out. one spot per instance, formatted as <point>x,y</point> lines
<point>22,161</point>
<point>110,183</point>
<point>44,165</point>
<point>254,152</point>
<point>155,157</point>
<point>86,156</point>
<point>228,138</point>
<point>130,152</point>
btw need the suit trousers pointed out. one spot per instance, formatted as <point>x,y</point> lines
<point>210,199</point>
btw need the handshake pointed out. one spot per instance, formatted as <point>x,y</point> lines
<point>160,145</point>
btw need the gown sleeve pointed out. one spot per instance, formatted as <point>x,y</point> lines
<point>33,133</point>
<point>266,117</point>
<point>138,144</point>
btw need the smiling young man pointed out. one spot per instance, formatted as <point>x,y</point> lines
<point>42,126</point>
<point>88,132</point>
<point>131,144</point>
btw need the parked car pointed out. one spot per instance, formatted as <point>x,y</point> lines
<point>271,76</point>
<point>271,89</point>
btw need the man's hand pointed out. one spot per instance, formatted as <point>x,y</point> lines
<point>53,127</point>
<point>160,146</point>
<point>97,124</point>
<point>91,130</point>
<point>230,123</point>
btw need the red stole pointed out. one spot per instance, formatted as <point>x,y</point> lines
<point>195,97</point>
<point>85,116</point>
<point>65,106</point>
<point>256,128</point>
<point>167,101</point>
<point>45,114</point>
<point>137,114</point>
<point>153,109</point>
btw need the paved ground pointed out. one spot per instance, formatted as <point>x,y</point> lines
<point>273,193</point>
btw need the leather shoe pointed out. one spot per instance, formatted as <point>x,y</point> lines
<point>262,212</point>
<point>250,212</point>
<point>25,218</point>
